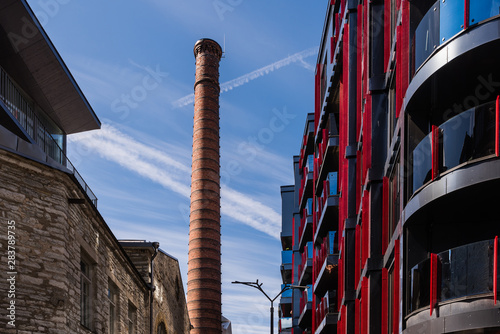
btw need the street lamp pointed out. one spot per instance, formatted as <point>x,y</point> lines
<point>258,286</point>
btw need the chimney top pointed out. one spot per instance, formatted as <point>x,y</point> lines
<point>208,45</point>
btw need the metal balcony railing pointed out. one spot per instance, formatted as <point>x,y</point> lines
<point>21,107</point>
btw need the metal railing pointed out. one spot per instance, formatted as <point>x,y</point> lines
<point>22,109</point>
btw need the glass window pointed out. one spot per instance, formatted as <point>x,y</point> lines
<point>132,318</point>
<point>323,80</point>
<point>394,198</point>
<point>390,299</point>
<point>86,293</point>
<point>113,306</point>
<point>421,163</point>
<point>161,329</point>
<point>392,111</point>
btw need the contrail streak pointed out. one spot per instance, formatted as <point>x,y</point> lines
<point>228,85</point>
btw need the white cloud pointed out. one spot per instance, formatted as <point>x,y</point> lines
<point>163,169</point>
<point>229,85</point>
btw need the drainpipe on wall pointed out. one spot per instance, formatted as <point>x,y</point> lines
<point>156,245</point>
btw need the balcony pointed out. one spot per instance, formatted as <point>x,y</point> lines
<point>35,131</point>
<point>327,208</point>
<point>328,157</point>
<point>444,20</point>
<point>465,138</point>
<point>326,314</point>
<point>326,265</point>
<point>306,224</point>
<point>286,266</point>
<point>305,319</point>
<point>307,146</point>
<point>285,325</point>
<point>306,185</point>
<point>460,273</point>
<point>286,296</point>
<point>305,268</point>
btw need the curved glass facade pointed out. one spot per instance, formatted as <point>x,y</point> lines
<point>444,20</point>
<point>468,136</point>
<point>461,272</point>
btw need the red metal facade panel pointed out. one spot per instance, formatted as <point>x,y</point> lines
<point>385,214</point>
<point>395,304</point>
<point>366,20</point>
<point>332,48</point>
<point>497,127</point>
<point>405,48</point>
<point>359,55</point>
<point>399,87</point>
<point>364,306</point>
<point>317,96</point>
<point>435,151</point>
<point>359,169</point>
<point>495,270</point>
<point>433,282</point>
<point>385,302</point>
<point>387,32</point>
<point>340,283</point>
<point>357,316</point>
<point>367,136</point>
<point>357,271</point>
<point>365,228</point>
<point>466,14</point>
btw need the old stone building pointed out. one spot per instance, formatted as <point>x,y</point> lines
<point>62,269</point>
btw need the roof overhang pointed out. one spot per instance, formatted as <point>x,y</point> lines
<point>31,59</point>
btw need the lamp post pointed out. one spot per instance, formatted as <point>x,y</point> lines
<point>258,286</point>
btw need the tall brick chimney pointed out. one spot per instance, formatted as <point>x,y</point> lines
<point>204,262</point>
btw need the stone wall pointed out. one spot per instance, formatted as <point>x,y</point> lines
<point>169,298</point>
<point>51,236</point>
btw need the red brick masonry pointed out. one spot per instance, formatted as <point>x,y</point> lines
<point>204,266</point>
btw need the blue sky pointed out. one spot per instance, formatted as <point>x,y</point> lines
<point>134,62</point>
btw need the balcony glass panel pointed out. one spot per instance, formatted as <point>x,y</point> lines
<point>310,163</point>
<point>286,322</point>
<point>483,9</point>
<point>468,136</point>
<point>457,136</point>
<point>331,243</point>
<point>444,20</point>
<point>422,162</point>
<point>426,37</point>
<point>484,131</point>
<point>309,246</point>
<point>332,181</point>
<point>309,292</point>
<point>309,206</point>
<point>463,271</point>
<point>286,293</point>
<point>465,137</point>
<point>466,270</point>
<point>286,257</point>
<point>451,17</point>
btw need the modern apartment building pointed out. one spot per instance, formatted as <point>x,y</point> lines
<point>402,168</point>
<point>63,270</point>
